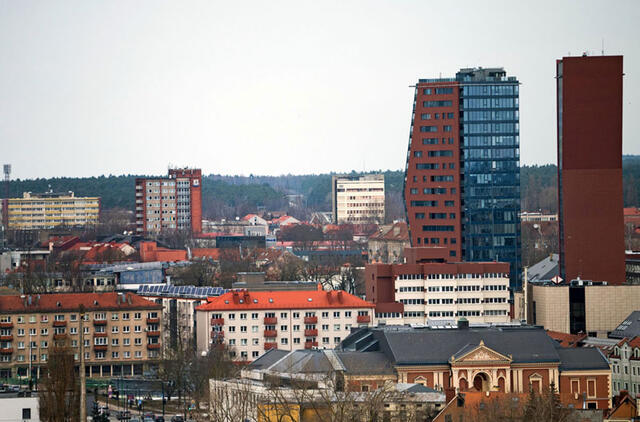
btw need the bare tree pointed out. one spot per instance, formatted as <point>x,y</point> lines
<point>59,397</point>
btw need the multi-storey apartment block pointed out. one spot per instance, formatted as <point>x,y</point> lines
<point>439,292</point>
<point>358,199</point>
<point>462,182</point>
<point>625,367</point>
<point>252,322</point>
<point>50,209</point>
<point>121,332</point>
<point>169,203</point>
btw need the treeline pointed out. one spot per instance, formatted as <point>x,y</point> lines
<point>229,196</point>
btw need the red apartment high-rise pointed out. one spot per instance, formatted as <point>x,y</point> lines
<point>591,232</point>
<point>170,203</point>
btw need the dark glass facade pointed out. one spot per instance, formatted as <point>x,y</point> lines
<point>490,140</point>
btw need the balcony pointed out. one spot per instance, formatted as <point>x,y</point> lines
<point>270,320</point>
<point>153,320</point>
<point>59,323</point>
<point>99,322</point>
<point>6,324</point>
<point>269,346</point>
<point>310,344</point>
<point>270,333</point>
<point>100,347</point>
<point>363,319</point>
<point>61,336</point>
<point>311,320</point>
<point>99,334</point>
<point>311,333</point>
<point>6,351</point>
<point>215,333</point>
<point>6,338</point>
<point>153,333</point>
<point>153,346</point>
<point>217,321</point>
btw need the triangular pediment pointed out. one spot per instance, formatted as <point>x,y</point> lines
<point>479,353</point>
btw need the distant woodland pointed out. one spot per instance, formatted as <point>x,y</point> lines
<point>231,196</point>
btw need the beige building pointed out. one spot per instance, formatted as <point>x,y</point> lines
<point>252,322</point>
<point>51,209</point>
<point>358,199</point>
<point>605,306</point>
<point>121,332</point>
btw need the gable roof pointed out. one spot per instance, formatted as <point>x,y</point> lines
<point>287,299</point>
<point>566,340</point>
<point>545,269</point>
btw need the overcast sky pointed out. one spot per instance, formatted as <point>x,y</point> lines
<point>272,87</point>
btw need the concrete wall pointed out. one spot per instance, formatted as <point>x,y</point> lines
<point>608,306</point>
<point>551,307</point>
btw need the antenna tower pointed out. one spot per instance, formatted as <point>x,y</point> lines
<point>5,198</point>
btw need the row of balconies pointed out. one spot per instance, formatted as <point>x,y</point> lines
<point>307,320</point>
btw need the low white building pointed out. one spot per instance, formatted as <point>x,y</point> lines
<point>439,293</point>
<point>22,409</point>
<point>252,322</point>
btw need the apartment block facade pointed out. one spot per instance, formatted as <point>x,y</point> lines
<point>625,367</point>
<point>251,323</point>
<point>121,332</point>
<point>37,211</point>
<point>358,199</point>
<point>462,181</point>
<point>439,293</point>
<point>591,229</point>
<point>170,203</point>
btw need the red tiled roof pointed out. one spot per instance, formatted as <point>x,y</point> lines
<point>72,301</point>
<point>566,340</point>
<point>249,217</point>
<point>213,253</point>
<point>291,299</point>
<point>631,211</point>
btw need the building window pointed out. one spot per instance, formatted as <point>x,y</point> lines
<point>26,413</point>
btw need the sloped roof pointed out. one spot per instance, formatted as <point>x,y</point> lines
<point>566,340</point>
<point>580,358</point>
<point>288,299</point>
<point>629,327</point>
<point>369,363</point>
<point>545,269</point>
<point>58,302</point>
<point>396,232</point>
<point>425,346</point>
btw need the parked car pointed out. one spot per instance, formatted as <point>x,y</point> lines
<point>124,415</point>
<point>159,418</point>
<point>134,420</point>
<point>177,418</point>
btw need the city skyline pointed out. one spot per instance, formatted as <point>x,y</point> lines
<point>330,82</point>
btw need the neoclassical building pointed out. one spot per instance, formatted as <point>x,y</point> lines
<point>509,359</point>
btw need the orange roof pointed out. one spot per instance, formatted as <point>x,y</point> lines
<point>291,299</point>
<point>566,340</point>
<point>213,253</point>
<point>57,302</point>
<point>249,217</point>
<point>631,211</point>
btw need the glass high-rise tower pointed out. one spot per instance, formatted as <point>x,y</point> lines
<point>462,182</point>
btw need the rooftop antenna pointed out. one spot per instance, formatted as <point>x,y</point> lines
<point>603,46</point>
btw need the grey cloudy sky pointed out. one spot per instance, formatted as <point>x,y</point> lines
<point>273,87</point>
